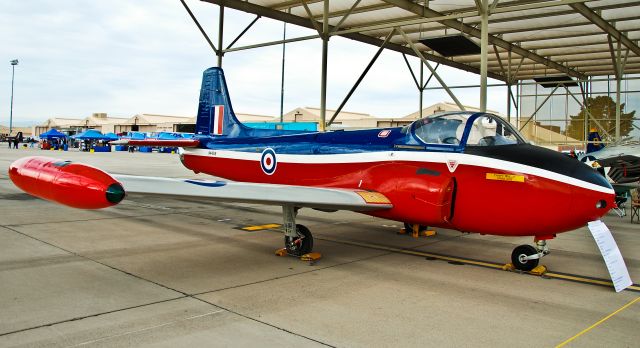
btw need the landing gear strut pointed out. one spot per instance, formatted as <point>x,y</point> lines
<point>298,241</point>
<point>525,257</point>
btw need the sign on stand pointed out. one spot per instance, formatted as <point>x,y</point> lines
<point>611,254</point>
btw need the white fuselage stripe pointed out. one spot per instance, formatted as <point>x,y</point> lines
<point>414,156</point>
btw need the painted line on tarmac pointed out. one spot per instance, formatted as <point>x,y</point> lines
<point>260,227</point>
<point>598,322</point>
<point>553,275</point>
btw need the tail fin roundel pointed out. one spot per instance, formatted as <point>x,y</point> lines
<point>215,114</point>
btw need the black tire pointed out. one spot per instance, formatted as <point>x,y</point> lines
<point>301,244</point>
<point>525,265</point>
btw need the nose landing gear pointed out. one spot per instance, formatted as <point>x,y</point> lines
<point>526,257</point>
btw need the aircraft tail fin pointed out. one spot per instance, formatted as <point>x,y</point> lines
<point>215,114</point>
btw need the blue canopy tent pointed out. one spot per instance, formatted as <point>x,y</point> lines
<point>52,133</point>
<point>93,135</point>
<point>111,136</point>
<point>90,134</point>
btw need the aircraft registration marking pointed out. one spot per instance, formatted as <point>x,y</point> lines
<point>505,177</point>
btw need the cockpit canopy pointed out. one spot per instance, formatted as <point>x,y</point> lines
<point>465,129</point>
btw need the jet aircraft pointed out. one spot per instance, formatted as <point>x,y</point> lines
<point>621,162</point>
<point>467,171</point>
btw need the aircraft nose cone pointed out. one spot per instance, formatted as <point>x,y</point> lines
<point>596,197</point>
<point>588,174</point>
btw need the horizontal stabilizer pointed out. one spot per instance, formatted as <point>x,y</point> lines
<point>158,142</point>
<point>270,194</point>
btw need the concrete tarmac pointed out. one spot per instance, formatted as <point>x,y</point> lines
<point>157,271</point>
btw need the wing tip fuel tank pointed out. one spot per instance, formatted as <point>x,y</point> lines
<point>72,184</point>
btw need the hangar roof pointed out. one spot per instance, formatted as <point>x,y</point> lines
<point>527,38</point>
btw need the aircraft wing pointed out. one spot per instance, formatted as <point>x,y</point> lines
<point>623,168</point>
<point>618,160</point>
<point>270,194</point>
<point>81,186</point>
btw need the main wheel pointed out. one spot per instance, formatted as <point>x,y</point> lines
<point>300,244</point>
<point>518,255</point>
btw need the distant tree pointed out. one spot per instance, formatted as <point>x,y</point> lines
<point>603,109</point>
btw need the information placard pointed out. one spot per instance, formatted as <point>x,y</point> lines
<point>611,254</point>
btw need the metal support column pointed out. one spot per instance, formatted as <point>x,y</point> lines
<point>509,82</point>
<point>421,87</point>
<point>13,72</point>
<point>284,37</point>
<point>220,33</point>
<point>484,50</point>
<point>323,77</point>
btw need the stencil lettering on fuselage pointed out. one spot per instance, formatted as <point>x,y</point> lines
<point>268,161</point>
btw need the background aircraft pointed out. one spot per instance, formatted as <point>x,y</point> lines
<point>466,171</point>
<point>621,162</point>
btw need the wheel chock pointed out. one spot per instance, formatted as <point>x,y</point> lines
<point>508,267</point>
<point>311,257</point>
<point>281,252</point>
<point>418,234</point>
<point>539,270</point>
<point>427,233</point>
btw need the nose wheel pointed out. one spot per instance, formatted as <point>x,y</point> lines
<point>526,257</point>
<point>520,257</point>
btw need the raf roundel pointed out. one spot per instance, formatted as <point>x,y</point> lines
<point>268,161</point>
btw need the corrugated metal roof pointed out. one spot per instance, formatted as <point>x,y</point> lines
<point>528,38</point>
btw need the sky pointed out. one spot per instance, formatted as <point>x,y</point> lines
<point>147,56</point>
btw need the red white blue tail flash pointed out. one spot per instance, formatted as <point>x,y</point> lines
<point>218,120</point>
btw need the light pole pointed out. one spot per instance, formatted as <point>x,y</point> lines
<point>13,72</point>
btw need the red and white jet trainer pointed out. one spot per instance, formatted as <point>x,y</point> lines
<point>466,171</point>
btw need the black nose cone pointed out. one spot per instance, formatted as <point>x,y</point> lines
<point>539,157</point>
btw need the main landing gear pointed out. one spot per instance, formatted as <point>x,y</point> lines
<point>298,241</point>
<point>526,257</point>
<point>417,230</point>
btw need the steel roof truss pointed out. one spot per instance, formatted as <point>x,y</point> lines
<point>346,15</point>
<point>242,33</point>
<point>604,25</point>
<point>426,62</point>
<point>195,20</point>
<point>315,24</point>
<point>304,22</point>
<point>411,7</point>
